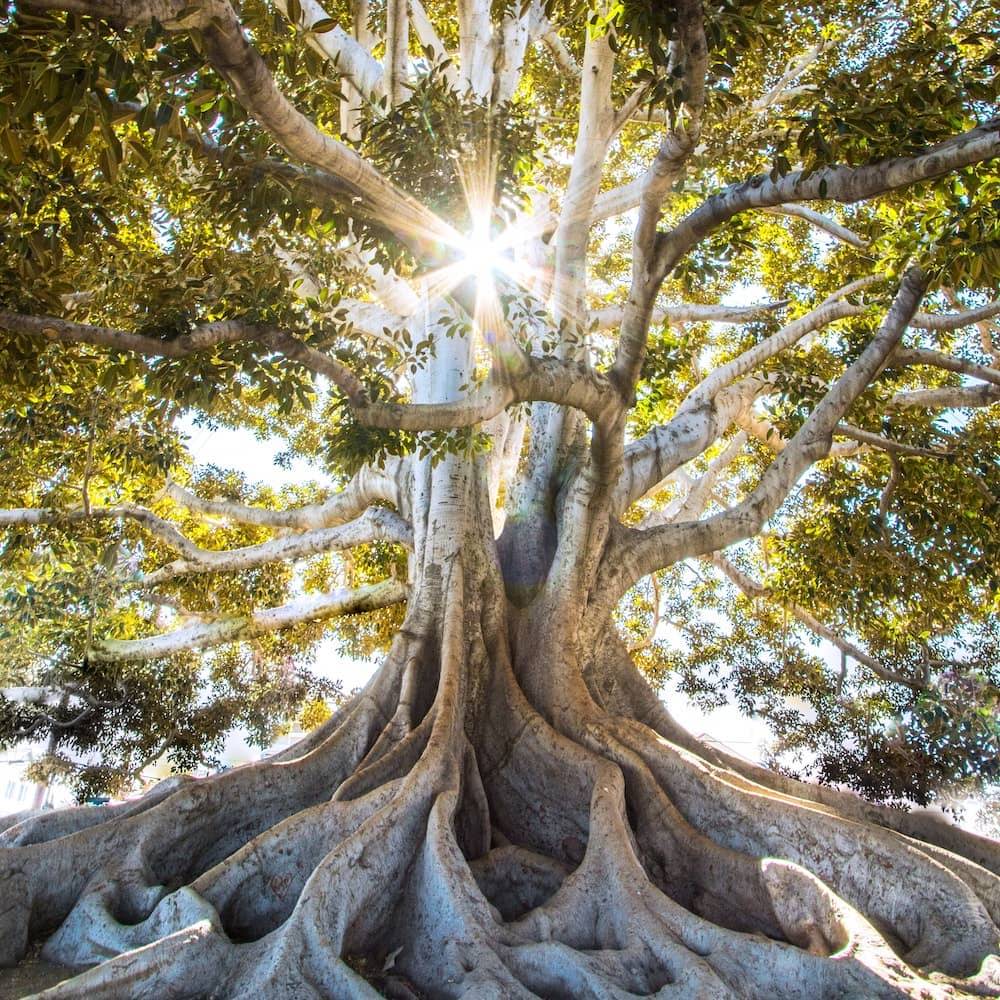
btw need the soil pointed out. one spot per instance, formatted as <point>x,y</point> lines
<point>32,976</point>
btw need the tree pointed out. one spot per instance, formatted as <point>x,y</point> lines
<point>339,225</point>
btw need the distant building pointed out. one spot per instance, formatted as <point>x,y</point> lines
<point>17,794</point>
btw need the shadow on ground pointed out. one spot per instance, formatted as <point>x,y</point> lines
<point>31,976</point>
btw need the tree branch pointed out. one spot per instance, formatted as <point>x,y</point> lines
<point>689,312</point>
<point>837,183</point>
<point>238,628</point>
<point>201,337</point>
<point>228,49</point>
<point>935,359</point>
<point>755,591</point>
<point>700,419</point>
<point>376,524</point>
<point>348,55</point>
<point>823,222</point>
<point>163,529</point>
<point>947,398</point>
<point>642,552</point>
<point>955,321</point>
<point>883,443</point>
<point>368,485</point>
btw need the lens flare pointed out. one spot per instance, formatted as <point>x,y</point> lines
<point>483,256</point>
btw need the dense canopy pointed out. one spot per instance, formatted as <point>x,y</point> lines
<point>140,194</point>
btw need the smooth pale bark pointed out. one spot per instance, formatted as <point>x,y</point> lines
<point>239,628</point>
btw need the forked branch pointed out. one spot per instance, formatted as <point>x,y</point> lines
<point>641,552</point>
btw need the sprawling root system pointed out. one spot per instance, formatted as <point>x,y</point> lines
<point>444,835</point>
<point>503,812</point>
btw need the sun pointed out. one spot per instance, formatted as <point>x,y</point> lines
<point>482,256</point>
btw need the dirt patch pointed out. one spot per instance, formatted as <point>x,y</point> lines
<point>32,976</point>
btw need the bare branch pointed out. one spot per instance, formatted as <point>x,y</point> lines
<point>376,524</point>
<point>885,444</point>
<point>202,337</point>
<point>664,449</point>
<point>429,38</point>
<point>238,628</point>
<point>557,47</point>
<point>229,50</point>
<point>475,47</point>
<point>547,379</point>
<point>986,330</point>
<point>786,337</point>
<point>158,526</point>
<point>948,398</point>
<point>350,57</point>
<point>594,133</point>
<point>766,432</point>
<point>837,183</point>
<point>611,316</point>
<point>699,491</point>
<point>851,287</point>
<point>515,31</point>
<point>823,222</point>
<point>955,321</point>
<point>397,35</point>
<point>702,416</point>
<point>935,359</point>
<point>756,591</point>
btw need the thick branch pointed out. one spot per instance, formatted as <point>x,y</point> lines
<point>564,59</point>
<point>935,359</point>
<point>548,380</point>
<point>158,526</point>
<point>241,65</point>
<point>351,59</point>
<point>883,443</point>
<point>787,336</point>
<point>948,398</point>
<point>201,338</point>
<point>837,183</point>
<point>701,418</point>
<point>955,321</point>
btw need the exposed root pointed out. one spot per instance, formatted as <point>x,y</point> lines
<point>144,851</point>
<point>618,686</point>
<point>37,827</point>
<point>876,870</point>
<point>443,838</point>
